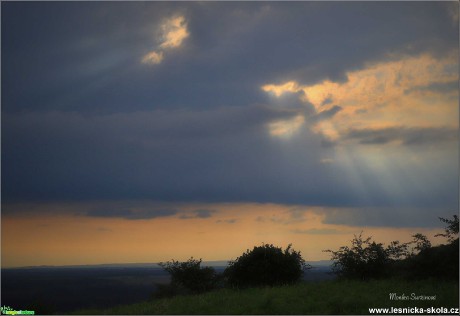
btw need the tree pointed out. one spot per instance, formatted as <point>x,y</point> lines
<point>416,259</point>
<point>364,260</point>
<point>190,276</point>
<point>435,262</point>
<point>451,231</point>
<point>438,262</point>
<point>266,265</point>
<point>421,242</point>
<point>397,250</point>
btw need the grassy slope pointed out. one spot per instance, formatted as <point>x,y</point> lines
<point>328,297</point>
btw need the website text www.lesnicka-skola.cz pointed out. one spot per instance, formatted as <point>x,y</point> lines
<point>415,310</point>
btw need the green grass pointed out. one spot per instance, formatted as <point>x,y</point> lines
<point>327,297</point>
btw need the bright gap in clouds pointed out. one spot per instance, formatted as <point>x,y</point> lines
<point>153,58</point>
<point>286,128</point>
<point>413,92</point>
<point>173,33</point>
<point>278,90</point>
<point>410,103</point>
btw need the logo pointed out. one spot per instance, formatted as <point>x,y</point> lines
<point>6,310</point>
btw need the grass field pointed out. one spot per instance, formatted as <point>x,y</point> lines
<point>327,297</point>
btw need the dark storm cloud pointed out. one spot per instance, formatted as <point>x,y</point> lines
<point>86,56</point>
<point>218,155</point>
<point>223,155</point>
<point>84,120</point>
<point>404,135</point>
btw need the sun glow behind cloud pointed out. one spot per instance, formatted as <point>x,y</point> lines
<point>286,128</point>
<point>153,58</point>
<point>173,33</point>
<point>412,92</point>
<point>278,90</point>
<point>400,102</point>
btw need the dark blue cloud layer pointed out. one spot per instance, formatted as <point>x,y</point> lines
<point>83,119</point>
<point>85,56</point>
<point>222,155</point>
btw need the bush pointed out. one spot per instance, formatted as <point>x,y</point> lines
<point>266,265</point>
<point>416,259</point>
<point>435,262</point>
<point>189,277</point>
<point>438,262</point>
<point>364,259</point>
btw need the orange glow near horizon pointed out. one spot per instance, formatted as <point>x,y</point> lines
<point>53,239</point>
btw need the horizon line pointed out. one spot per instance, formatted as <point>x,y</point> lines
<point>215,263</point>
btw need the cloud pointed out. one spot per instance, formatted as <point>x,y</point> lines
<point>291,216</point>
<point>327,100</point>
<point>401,91</point>
<point>448,87</point>
<point>174,32</point>
<point>360,111</point>
<point>142,213</point>
<point>197,214</point>
<point>280,89</point>
<point>227,114</point>
<point>384,216</point>
<point>137,214</point>
<point>227,221</point>
<point>403,135</point>
<point>221,62</point>
<point>453,12</point>
<point>286,128</point>
<point>220,155</point>
<point>153,58</point>
<point>327,114</point>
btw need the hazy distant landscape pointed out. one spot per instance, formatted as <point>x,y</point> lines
<point>64,289</point>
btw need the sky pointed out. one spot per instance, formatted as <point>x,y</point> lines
<point>150,131</point>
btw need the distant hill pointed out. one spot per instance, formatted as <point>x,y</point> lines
<point>217,263</point>
<point>320,263</point>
